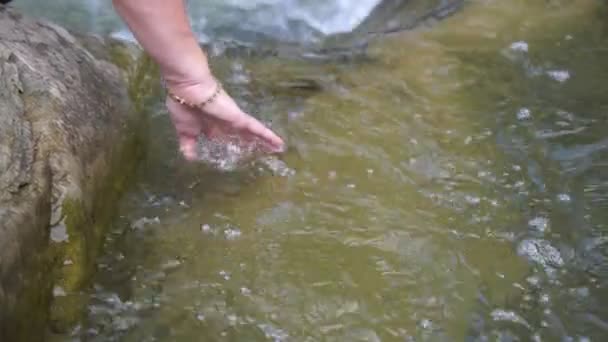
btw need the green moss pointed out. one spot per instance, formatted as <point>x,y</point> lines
<point>86,223</point>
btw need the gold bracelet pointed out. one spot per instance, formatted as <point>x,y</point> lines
<point>202,104</point>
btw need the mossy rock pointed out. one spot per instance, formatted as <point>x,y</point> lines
<point>73,129</point>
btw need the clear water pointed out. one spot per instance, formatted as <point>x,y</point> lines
<point>452,186</point>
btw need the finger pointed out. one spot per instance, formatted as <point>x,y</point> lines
<point>187,146</point>
<point>257,129</point>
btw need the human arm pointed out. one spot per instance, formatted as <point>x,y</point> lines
<point>163,30</point>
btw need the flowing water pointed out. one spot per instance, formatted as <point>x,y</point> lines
<point>450,186</point>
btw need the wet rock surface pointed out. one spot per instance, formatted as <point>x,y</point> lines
<point>65,125</point>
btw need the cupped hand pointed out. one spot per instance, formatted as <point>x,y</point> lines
<point>221,119</point>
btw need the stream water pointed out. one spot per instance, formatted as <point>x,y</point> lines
<point>450,186</point>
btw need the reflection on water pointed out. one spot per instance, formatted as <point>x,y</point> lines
<point>451,187</point>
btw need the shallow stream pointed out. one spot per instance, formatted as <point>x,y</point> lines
<point>452,185</point>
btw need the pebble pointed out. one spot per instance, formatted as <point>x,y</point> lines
<point>205,228</point>
<point>563,197</point>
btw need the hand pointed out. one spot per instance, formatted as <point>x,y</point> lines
<point>221,119</point>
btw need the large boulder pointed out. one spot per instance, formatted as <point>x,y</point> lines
<point>69,139</point>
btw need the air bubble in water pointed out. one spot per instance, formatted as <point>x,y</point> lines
<point>472,199</point>
<point>540,224</point>
<point>559,75</point>
<point>541,252</point>
<point>504,315</point>
<point>523,114</point>
<point>227,154</point>
<point>232,233</point>
<point>519,46</point>
<point>544,298</point>
<point>225,275</point>
<point>426,324</point>
<point>58,291</point>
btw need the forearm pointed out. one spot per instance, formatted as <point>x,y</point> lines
<point>163,29</point>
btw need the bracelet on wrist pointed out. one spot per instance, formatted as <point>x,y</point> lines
<point>200,105</point>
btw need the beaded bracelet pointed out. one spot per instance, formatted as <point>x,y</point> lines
<point>202,104</point>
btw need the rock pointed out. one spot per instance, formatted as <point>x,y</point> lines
<point>66,127</point>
